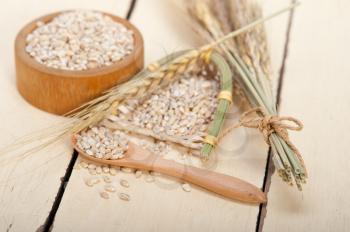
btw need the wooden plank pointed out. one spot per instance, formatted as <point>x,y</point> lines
<point>316,91</point>
<point>163,205</point>
<point>29,187</point>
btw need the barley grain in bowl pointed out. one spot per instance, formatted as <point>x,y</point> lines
<point>65,59</point>
<point>79,40</point>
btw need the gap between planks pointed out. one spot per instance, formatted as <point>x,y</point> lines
<point>47,226</point>
<point>270,168</point>
<point>56,204</point>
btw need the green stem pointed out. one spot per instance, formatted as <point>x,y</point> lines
<point>223,105</point>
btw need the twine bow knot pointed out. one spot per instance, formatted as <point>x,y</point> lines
<point>268,124</point>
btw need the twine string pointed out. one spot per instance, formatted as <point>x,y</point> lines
<point>226,95</point>
<point>267,124</point>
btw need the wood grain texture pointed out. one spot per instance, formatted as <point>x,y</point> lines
<point>316,90</point>
<point>60,91</point>
<point>29,187</point>
<point>163,205</point>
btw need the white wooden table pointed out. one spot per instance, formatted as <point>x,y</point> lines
<point>33,194</point>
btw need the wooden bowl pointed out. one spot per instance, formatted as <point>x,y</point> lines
<point>59,91</point>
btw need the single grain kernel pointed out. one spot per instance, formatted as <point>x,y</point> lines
<point>105,169</point>
<point>104,195</point>
<point>113,171</point>
<point>110,188</point>
<point>98,170</point>
<point>127,170</point>
<point>186,187</point>
<point>138,173</point>
<point>92,171</point>
<point>83,164</point>
<point>92,166</point>
<point>124,183</point>
<point>149,179</point>
<point>91,182</point>
<point>124,196</point>
<point>107,179</point>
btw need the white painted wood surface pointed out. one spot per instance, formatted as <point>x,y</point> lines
<point>29,187</point>
<point>163,205</point>
<point>316,90</point>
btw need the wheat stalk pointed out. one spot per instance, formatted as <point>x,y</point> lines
<point>248,55</point>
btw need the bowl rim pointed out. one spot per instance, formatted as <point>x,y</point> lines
<point>20,44</point>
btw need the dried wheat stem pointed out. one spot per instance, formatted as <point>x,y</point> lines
<point>246,55</point>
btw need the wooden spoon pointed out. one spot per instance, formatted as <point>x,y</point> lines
<point>221,184</point>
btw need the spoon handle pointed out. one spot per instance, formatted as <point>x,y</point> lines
<point>221,184</point>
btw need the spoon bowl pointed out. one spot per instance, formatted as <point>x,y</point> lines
<point>142,159</point>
